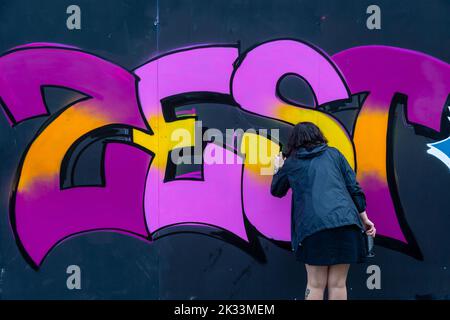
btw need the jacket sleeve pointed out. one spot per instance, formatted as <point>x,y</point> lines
<point>352,184</point>
<point>280,183</point>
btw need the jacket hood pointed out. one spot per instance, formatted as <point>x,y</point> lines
<point>311,152</point>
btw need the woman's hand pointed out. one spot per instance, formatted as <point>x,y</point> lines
<point>369,225</point>
<point>370,228</point>
<point>278,162</point>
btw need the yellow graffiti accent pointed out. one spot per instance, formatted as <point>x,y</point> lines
<point>336,135</point>
<point>43,159</point>
<point>370,141</point>
<point>259,154</point>
<point>167,136</point>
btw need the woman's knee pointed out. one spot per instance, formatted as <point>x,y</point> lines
<point>318,283</point>
<point>336,284</point>
<point>317,276</point>
<point>337,276</point>
<point>336,281</point>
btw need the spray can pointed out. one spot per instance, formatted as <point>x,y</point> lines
<point>370,247</point>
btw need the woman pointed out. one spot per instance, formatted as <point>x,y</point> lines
<point>328,210</point>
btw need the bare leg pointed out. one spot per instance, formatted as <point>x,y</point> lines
<point>337,281</point>
<point>317,281</point>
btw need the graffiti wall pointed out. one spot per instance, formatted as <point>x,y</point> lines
<point>93,118</point>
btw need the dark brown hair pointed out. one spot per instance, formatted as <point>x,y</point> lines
<point>304,135</point>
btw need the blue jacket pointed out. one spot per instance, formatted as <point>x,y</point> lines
<point>325,193</point>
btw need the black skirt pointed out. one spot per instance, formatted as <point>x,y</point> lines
<point>341,245</point>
